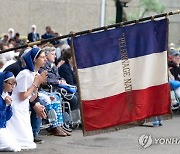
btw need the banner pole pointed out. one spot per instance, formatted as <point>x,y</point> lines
<point>93,30</point>
<point>77,79</point>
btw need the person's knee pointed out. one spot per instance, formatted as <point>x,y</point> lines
<point>74,103</point>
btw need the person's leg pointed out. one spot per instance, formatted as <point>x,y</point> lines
<point>35,124</point>
<point>60,123</point>
<point>73,101</point>
<point>160,119</point>
<point>155,121</point>
<point>52,114</point>
<point>56,105</point>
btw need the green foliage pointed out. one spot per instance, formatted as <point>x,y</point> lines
<point>133,16</point>
<point>147,7</point>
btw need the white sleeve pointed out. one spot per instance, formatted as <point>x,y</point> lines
<point>24,80</point>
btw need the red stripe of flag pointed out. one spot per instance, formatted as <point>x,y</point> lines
<point>126,107</point>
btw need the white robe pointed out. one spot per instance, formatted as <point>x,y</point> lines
<point>20,124</point>
<point>8,141</point>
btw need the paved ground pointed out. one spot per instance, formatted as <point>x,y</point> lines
<point>123,141</point>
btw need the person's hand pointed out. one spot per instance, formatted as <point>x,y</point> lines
<point>60,63</point>
<point>40,78</point>
<point>8,100</point>
<point>63,82</point>
<point>40,110</point>
<point>44,76</point>
<point>37,80</point>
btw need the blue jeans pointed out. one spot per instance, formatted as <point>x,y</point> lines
<point>73,102</point>
<point>35,123</point>
<point>157,120</point>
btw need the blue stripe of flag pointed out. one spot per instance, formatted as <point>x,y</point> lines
<point>103,47</point>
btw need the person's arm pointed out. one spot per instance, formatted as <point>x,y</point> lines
<point>35,94</point>
<point>38,37</point>
<point>9,112</point>
<point>53,75</point>
<point>29,37</point>
<point>5,110</point>
<point>60,63</point>
<point>40,110</point>
<point>32,89</point>
<point>52,79</point>
<point>66,73</point>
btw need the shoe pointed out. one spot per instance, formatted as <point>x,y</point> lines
<point>160,124</point>
<point>67,128</point>
<point>38,140</point>
<point>155,123</point>
<point>175,106</point>
<point>58,132</point>
<point>66,132</point>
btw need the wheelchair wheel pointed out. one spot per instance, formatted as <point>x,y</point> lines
<point>74,126</point>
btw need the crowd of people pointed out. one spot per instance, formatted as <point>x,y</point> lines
<point>23,102</point>
<point>174,75</point>
<point>13,39</point>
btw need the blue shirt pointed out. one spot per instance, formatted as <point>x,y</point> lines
<point>5,113</point>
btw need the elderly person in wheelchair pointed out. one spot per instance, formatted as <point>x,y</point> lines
<point>52,103</point>
<point>55,80</point>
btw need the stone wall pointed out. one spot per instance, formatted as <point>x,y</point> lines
<point>63,15</point>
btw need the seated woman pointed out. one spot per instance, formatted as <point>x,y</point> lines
<point>53,77</point>
<point>7,140</point>
<point>66,70</point>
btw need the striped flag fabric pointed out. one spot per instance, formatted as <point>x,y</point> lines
<point>123,75</point>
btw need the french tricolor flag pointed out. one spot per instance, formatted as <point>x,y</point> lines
<point>123,74</point>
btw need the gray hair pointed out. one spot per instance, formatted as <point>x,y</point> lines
<point>48,49</point>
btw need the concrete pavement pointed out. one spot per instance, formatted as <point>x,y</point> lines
<point>165,141</point>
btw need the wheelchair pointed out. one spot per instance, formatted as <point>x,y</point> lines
<point>175,102</point>
<point>70,118</point>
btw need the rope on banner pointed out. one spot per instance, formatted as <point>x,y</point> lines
<point>93,30</point>
<point>106,28</point>
<point>137,21</point>
<point>152,17</point>
<point>167,15</point>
